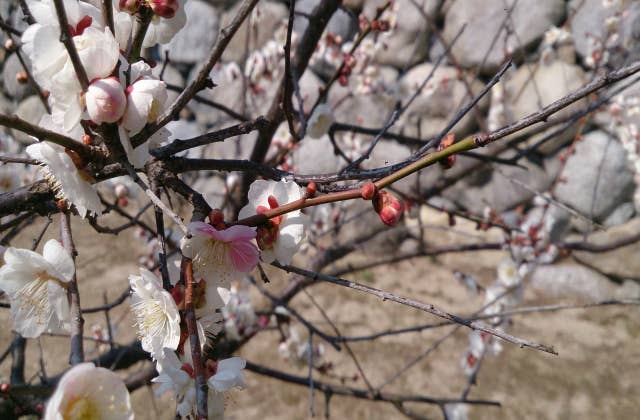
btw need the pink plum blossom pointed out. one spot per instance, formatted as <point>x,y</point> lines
<point>220,255</point>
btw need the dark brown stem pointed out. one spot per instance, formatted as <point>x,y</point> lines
<point>67,40</point>
<point>196,353</point>
<point>77,321</point>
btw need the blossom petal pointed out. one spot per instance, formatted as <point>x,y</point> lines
<point>60,259</point>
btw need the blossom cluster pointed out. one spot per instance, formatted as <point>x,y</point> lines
<point>118,92</point>
<point>221,255</point>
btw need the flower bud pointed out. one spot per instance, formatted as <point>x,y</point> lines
<point>449,161</point>
<point>164,8</point>
<point>22,77</point>
<point>312,188</point>
<point>388,207</point>
<point>10,45</point>
<point>105,100</point>
<point>129,6</point>
<point>368,190</point>
<point>121,190</point>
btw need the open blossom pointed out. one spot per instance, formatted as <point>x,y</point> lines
<point>156,314</point>
<point>162,29</point>
<point>36,285</point>
<point>89,392</point>
<point>146,100</point>
<point>320,121</point>
<point>67,181</point>
<point>105,100</point>
<point>41,41</point>
<point>177,376</point>
<point>228,375</point>
<point>281,237</point>
<point>174,376</point>
<point>220,255</point>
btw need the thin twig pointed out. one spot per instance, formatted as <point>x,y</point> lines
<point>474,325</point>
<point>77,321</point>
<point>196,353</point>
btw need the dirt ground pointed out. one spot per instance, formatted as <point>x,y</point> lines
<point>594,376</point>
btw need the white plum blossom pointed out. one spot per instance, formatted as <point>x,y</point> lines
<point>105,100</point>
<point>220,255</point>
<point>281,237</point>
<point>508,274</point>
<point>456,411</point>
<point>146,100</point>
<point>173,376</point>
<point>177,376</point>
<point>37,288</point>
<point>41,41</point>
<point>297,350</point>
<point>161,30</point>
<point>228,375</point>
<point>89,392</point>
<point>156,314</point>
<point>66,179</point>
<point>320,121</point>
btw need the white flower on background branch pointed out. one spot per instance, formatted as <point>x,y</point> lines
<point>37,288</point>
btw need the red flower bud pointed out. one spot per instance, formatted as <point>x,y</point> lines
<point>368,190</point>
<point>449,161</point>
<point>388,207</point>
<point>86,139</point>
<point>129,6</point>
<point>311,189</point>
<point>164,8</point>
<point>21,77</point>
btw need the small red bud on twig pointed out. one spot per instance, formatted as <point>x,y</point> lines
<point>449,161</point>
<point>388,207</point>
<point>9,45</point>
<point>312,188</point>
<point>368,190</point>
<point>21,77</point>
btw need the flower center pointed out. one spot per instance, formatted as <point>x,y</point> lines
<point>81,408</point>
<point>213,253</point>
<point>151,319</point>
<point>154,111</point>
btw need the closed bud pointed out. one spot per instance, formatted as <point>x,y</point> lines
<point>105,100</point>
<point>368,190</point>
<point>129,6</point>
<point>388,207</point>
<point>9,45</point>
<point>21,77</point>
<point>121,190</point>
<point>311,189</point>
<point>164,8</point>
<point>450,160</point>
